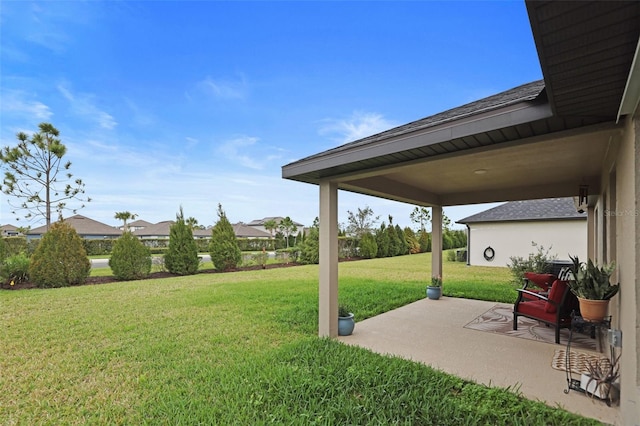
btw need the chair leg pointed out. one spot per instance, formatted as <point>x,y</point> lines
<point>515,321</point>
<point>558,335</point>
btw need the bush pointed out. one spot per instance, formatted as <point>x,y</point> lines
<point>15,269</point>
<point>310,252</point>
<point>130,259</point>
<point>182,255</point>
<point>60,259</point>
<point>539,262</point>
<point>14,245</point>
<point>368,246</point>
<point>224,250</point>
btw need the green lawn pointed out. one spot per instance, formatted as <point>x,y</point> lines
<point>237,348</point>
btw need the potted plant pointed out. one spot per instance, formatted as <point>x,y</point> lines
<point>346,323</point>
<point>434,291</point>
<point>590,283</point>
<point>601,377</point>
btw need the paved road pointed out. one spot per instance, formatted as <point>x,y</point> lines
<point>104,263</point>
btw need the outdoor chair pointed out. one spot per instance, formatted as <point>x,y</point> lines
<point>553,309</point>
<point>542,283</point>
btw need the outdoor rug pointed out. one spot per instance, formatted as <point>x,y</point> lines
<point>577,361</point>
<point>499,320</point>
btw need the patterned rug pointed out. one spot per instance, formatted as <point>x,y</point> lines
<point>499,319</point>
<point>577,361</point>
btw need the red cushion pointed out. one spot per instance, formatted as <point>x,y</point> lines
<point>537,310</point>
<point>557,291</point>
<point>541,280</point>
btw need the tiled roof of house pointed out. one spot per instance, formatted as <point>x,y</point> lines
<point>83,226</point>
<point>544,209</point>
<point>154,230</point>
<point>139,223</point>
<point>277,219</point>
<point>244,231</point>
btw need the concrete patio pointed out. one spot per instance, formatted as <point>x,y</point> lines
<point>432,332</point>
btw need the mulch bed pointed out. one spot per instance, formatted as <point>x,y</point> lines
<point>154,275</point>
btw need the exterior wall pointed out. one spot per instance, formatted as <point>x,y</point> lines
<point>624,215</point>
<point>508,239</point>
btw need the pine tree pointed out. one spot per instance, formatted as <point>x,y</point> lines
<point>130,259</point>
<point>182,255</point>
<point>224,250</point>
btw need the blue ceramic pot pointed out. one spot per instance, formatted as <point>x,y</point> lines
<point>346,325</point>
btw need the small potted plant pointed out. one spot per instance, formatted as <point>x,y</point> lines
<point>434,291</point>
<point>590,283</point>
<point>346,323</point>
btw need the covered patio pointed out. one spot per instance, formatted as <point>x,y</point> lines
<point>433,332</point>
<point>574,133</point>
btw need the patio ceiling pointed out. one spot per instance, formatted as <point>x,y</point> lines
<point>542,139</point>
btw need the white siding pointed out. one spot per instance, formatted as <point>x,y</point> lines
<point>564,237</point>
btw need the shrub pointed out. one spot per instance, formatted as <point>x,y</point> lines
<point>130,259</point>
<point>368,246</point>
<point>15,268</point>
<point>539,262</point>
<point>60,259</point>
<point>310,252</point>
<point>14,245</point>
<point>182,255</point>
<point>3,250</point>
<point>425,242</point>
<point>224,250</point>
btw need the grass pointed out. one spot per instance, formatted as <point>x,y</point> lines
<point>237,348</point>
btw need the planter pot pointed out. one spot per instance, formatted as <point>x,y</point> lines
<point>593,310</point>
<point>434,293</point>
<point>592,387</point>
<point>346,325</point>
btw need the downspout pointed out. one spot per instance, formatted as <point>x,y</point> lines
<point>468,245</point>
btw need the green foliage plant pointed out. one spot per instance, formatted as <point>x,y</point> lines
<point>130,259</point>
<point>181,257</point>
<point>3,250</point>
<point>368,246</point>
<point>15,269</point>
<point>310,252</point>
<point>344,311</point>
<point>60,259</point>
<point>436,281</point>
<point>224,250</point>
<point>538,262</point>
<point>592,282</point>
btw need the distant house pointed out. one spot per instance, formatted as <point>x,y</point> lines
<point>86,228</point>
<point>243,230</point>
<point>137,224</point>
<point>154,231</point>
<point>9,231</point>
<point>259,224</point>
<point>507,230</point>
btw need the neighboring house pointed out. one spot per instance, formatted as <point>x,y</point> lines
<point>243,230</point>
<point>158,230</point>
<point>86,228</point>
<point>9,231</point>
<point>259,224</point>
<point>136,224</point>
<point>577,129</point>
<point>495,235</point>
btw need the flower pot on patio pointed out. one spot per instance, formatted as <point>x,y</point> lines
<point>433,292</point>
<point>593,310</point>
<point>346,323</point>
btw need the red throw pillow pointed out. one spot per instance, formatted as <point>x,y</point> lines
<point>557,291</point>
<point>541,280</point>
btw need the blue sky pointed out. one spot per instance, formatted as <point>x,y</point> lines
<point>166,104</point>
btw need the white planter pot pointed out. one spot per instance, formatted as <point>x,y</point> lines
<point>591,387</point>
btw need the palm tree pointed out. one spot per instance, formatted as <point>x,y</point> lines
<point>270,225</point>
<point>287,227</point>
<point>124,216</point>
<point>192,223</point>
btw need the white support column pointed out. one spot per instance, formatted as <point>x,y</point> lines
<point>328,286</point>
<point>591,233</point>
<point>436,242</point>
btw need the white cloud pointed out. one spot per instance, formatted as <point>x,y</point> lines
<point>359,125</point>
<point>236,150</point>
<point>17,102</point>
<point>83,105</point>
<point>224,89</point>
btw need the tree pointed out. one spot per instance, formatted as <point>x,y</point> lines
<point>368,246</point>
<point>361,222</point>
<point>271,225</point>
<point>224,250</point>
<point>287,227</point>
<point>192,223</point>
<point>182,255</point>
<point>124,216</point>
<point>310,251</point>
<point>34,167</point>
<point>420,216</point>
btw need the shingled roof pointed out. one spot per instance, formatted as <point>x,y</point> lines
<point>84,226</point>
<point>544,209</point>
